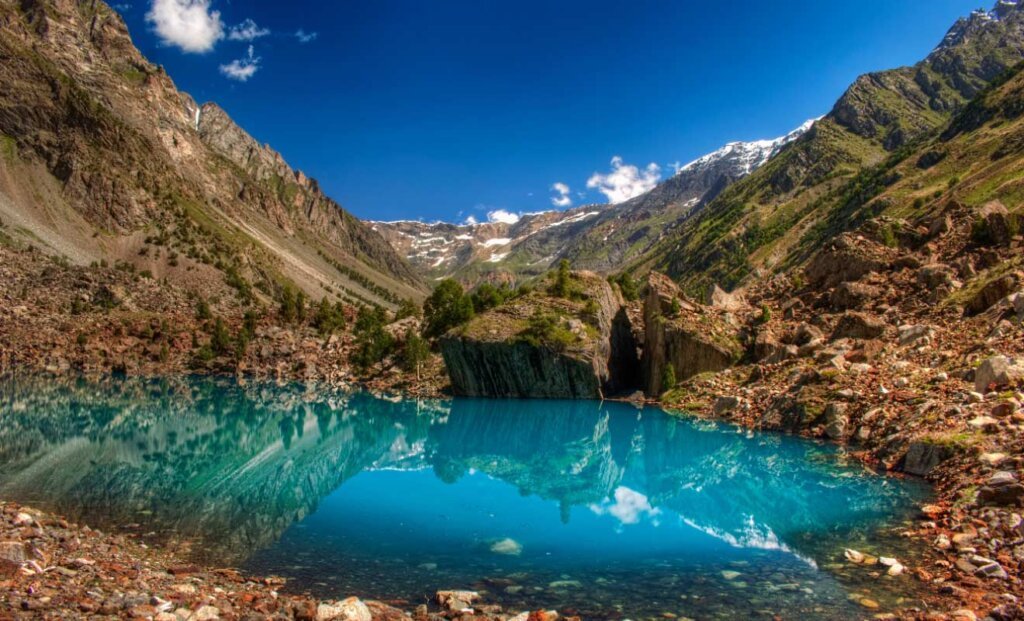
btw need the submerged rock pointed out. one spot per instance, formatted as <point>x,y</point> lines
<point>508,547</point>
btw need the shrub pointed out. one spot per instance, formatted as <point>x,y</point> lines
<point>329,318</point>
<point>407,308</point>
<point>448,306</point>
<point>562,287</point>
<point>203,312</point>
<point>548,330</point>
<point>487,296</point>
<point>629,288</point>
<point>416,352</point>
<point>668,378</point>
<point>372,342</point>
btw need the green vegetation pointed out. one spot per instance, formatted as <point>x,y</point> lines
<point>668,378</point>
<point>372,342</point>
<point>408,308</point>
<point>416,352</point>
<point>547,329</point>
<point>487,296</point>
<point>562,287</point>
<point>293,305</point>
<point>627,286</point>
<point>329,318</point>
<point>448,306</point>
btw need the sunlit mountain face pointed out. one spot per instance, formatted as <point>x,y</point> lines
<point>600,506</point>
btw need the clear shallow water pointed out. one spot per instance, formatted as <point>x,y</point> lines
<point>601,509</point>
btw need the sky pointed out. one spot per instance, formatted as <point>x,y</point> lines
<point>475,109</point>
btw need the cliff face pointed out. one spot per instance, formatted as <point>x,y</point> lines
<point>105,159</point>
<point>543,346</point>
<point>692,338</point>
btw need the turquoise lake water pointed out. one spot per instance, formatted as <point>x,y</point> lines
<point>598,509</point>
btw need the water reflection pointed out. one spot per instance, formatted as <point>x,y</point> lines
<point>242,471</point>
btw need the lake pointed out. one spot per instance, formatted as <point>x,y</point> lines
<point>605,510</point>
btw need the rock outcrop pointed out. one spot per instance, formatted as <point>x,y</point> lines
<point>545,346</point>
<point>682,336</point>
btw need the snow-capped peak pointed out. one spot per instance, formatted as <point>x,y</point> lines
<point>748,155</point>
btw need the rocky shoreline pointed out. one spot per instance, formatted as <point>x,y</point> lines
<point>53,569</point>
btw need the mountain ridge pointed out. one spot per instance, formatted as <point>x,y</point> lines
<point>105,156</point>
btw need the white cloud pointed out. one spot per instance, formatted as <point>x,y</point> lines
<point>676,166</point>
<point>471,220</point>
<point>628,508</point>
<point>562,191</point>
<point>625,180</point>
<point>501,215</point>
<point>242,69</point>
<point>247,31</point>
<point>305,37</point>
<point>187,24</point>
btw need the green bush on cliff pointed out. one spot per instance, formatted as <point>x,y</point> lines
<point>416,352</point>
<point>630,290</point>
<point>448,306</point>
<point>668,378</point>
<point>487,296</point>
<point>548,330</point>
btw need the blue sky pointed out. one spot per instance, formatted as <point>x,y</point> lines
<point>449,109</point>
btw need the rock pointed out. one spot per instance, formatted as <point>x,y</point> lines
<point>13,551</point>
<point>1005,408</point>
<point>913,335</point>
<point>1002,488</point>
<point>732,302</point>
<point>857,325</point>
<point>997,372</point>
<point>209,613</point>
<point>992,293</point>
<point>853,295</point>
<point>729,574</point>
<point>848,258</point>
<point>997,223</point>
<point>964,614</point>
<point>836,420</point>
<point>987,568</point>
<point>724,405</point>
<point>508,547</point>
<point>868,351</point>
<point>922,457</point>
<point>495,355</point>
<point>936,275</point>
<point>983,423</point>
<point>351,609</point>
<point>456,601</point>
<point>697,340</point>
<point>853,556</point>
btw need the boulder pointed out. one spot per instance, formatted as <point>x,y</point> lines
<point>695,340</point>
<point>857,325</point>
<point>836,420</point>
<point>935,275</point>
<point>922,457</point>
<point>848,258</point>
<point>724,405</point>
<point>351,609</point>
<point>1002,488</point>
<point>733,302</point>
<point>997,372</point>
<point>914,335</point>
<point>998,225</point>
<point>853,295</point>
<point>991,293</point>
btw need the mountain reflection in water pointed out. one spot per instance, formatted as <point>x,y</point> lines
<point>317,484</point>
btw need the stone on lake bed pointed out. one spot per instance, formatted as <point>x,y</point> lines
<point>507,546</point>
<point>350,609</point>
<point>728,574</point>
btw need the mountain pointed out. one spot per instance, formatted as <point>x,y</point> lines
<point>596,237</point>
<point>779,214</point>
<point>105,160</point>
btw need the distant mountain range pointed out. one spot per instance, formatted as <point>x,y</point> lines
<point>596,236</point>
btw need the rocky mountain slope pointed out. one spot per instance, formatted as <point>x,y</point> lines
<point>594,237</point>
<point>102,159</point>
<point>777,215</point>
